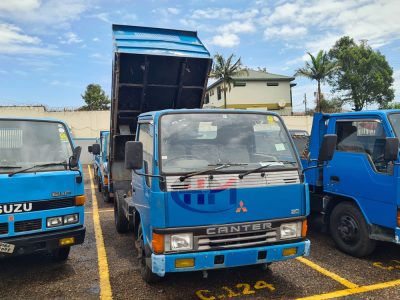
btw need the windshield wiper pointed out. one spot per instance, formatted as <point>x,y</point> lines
<point>64,163</point>
<point>266,167</point>
<point>218,167</point>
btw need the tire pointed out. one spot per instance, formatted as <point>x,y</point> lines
<point>61,254</point>
<point>147,275</point>
<point>106,197</point>
<point>99,186</point>
<point>349,230</point>
<point>121,223</point>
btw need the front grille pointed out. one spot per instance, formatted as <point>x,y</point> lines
<point>3,228</point>
<point>228,241</point>
<point>39,205</point>
<point>28,225</point>
<point>53,204</point>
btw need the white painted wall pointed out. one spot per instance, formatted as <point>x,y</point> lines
<point>254,93</point>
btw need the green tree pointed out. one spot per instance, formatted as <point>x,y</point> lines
<point>95,98</point>
<point>365,77</point>
<point>318,69</point>
<point>226,69</point>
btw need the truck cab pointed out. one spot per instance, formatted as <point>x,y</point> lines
<point>100,151</point>
<point>214,189</point>
<point>358,191</point>
<point>41,188</point>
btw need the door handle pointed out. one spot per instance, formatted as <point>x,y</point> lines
<point>335,179</point>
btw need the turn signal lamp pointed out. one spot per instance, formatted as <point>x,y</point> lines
<point>158,243</point>
<point>105,180</point>
<point>184,263</point>
<point>289,251</point>
<point>80,200</point>
<point>304,228</point>
<point>66,241</point>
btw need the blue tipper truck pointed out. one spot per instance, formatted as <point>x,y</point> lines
<point>201,189</point>
<point>41,188</point>
<point>100,164</point>
<point>357,194</point>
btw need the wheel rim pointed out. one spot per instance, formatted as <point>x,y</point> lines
<point>348,229</point>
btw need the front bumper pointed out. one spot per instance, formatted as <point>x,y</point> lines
<point>43,241</point>
<point>161,264</point>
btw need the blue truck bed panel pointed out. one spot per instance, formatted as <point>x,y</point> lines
<point>157,41</point>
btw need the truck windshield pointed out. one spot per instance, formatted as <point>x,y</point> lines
<point>196,141</point>
<point>395,121</point>
<point>25,143</point>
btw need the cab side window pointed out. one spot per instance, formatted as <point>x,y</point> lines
<point>146,137</point>
<point>363,136</point>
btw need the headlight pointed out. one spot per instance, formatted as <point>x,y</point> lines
<point>54,221</point>
<point>71,219</point>
<point>290,230</point>
<point>179,242</point>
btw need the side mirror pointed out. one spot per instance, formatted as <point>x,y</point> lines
<point>328,147</point>
<point>391,149</point>
<point>96,149</point>
<point>74,159</point>
<point>133,155</point>
<point>90,149</point>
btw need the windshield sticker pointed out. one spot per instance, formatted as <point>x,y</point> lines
<point>280,147</point>
<point>164,157</point>
<point>270,120</point>
<point>63,136</point>
<point>61,130</point>
<point>271,163</point>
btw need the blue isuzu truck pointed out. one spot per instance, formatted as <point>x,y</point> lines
<point>201,189</point>
<point>41,188</point>
<point>357,195</point>
<point>100,164</point>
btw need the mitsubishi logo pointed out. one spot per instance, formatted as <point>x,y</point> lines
<point>241,207</point>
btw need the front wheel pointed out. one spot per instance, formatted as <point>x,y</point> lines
<point>61,254</point>
<point>146,273</point>
<point>349,230</point>
<point>121,223</point>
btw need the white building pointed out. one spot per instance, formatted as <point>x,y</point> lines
<point>255,90</point>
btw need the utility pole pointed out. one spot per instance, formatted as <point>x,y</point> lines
<point>305,103</point>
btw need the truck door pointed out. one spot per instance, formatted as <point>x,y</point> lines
<point>359,171</point>
<point>142,184</point>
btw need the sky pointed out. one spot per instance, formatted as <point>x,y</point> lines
<point>50,50</point>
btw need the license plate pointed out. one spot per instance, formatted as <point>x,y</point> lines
<point>6,248</point>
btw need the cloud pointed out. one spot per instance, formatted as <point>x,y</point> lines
<point>224,14</point>
<point>237,27</point>
<point>95,39</point>
<point>328,20</point>
<point>70,38</point>
<point>42,13</point>
<point>173,10</point>
<point>227,40</point>
<point>11,34</point>
<point>285,32</point>
<point>396,84</point>
<point>14,41</point>
<point>102,17</point>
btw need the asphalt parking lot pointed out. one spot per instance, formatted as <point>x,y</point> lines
<point>105,266</point>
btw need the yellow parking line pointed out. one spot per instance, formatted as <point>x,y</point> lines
<point>100,211</point>
<point>357,290</point>
<point>105,286</point>
<point>324,271</point>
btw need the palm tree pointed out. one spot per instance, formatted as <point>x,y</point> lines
<point>319,69</point>
<point>225,69</point>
